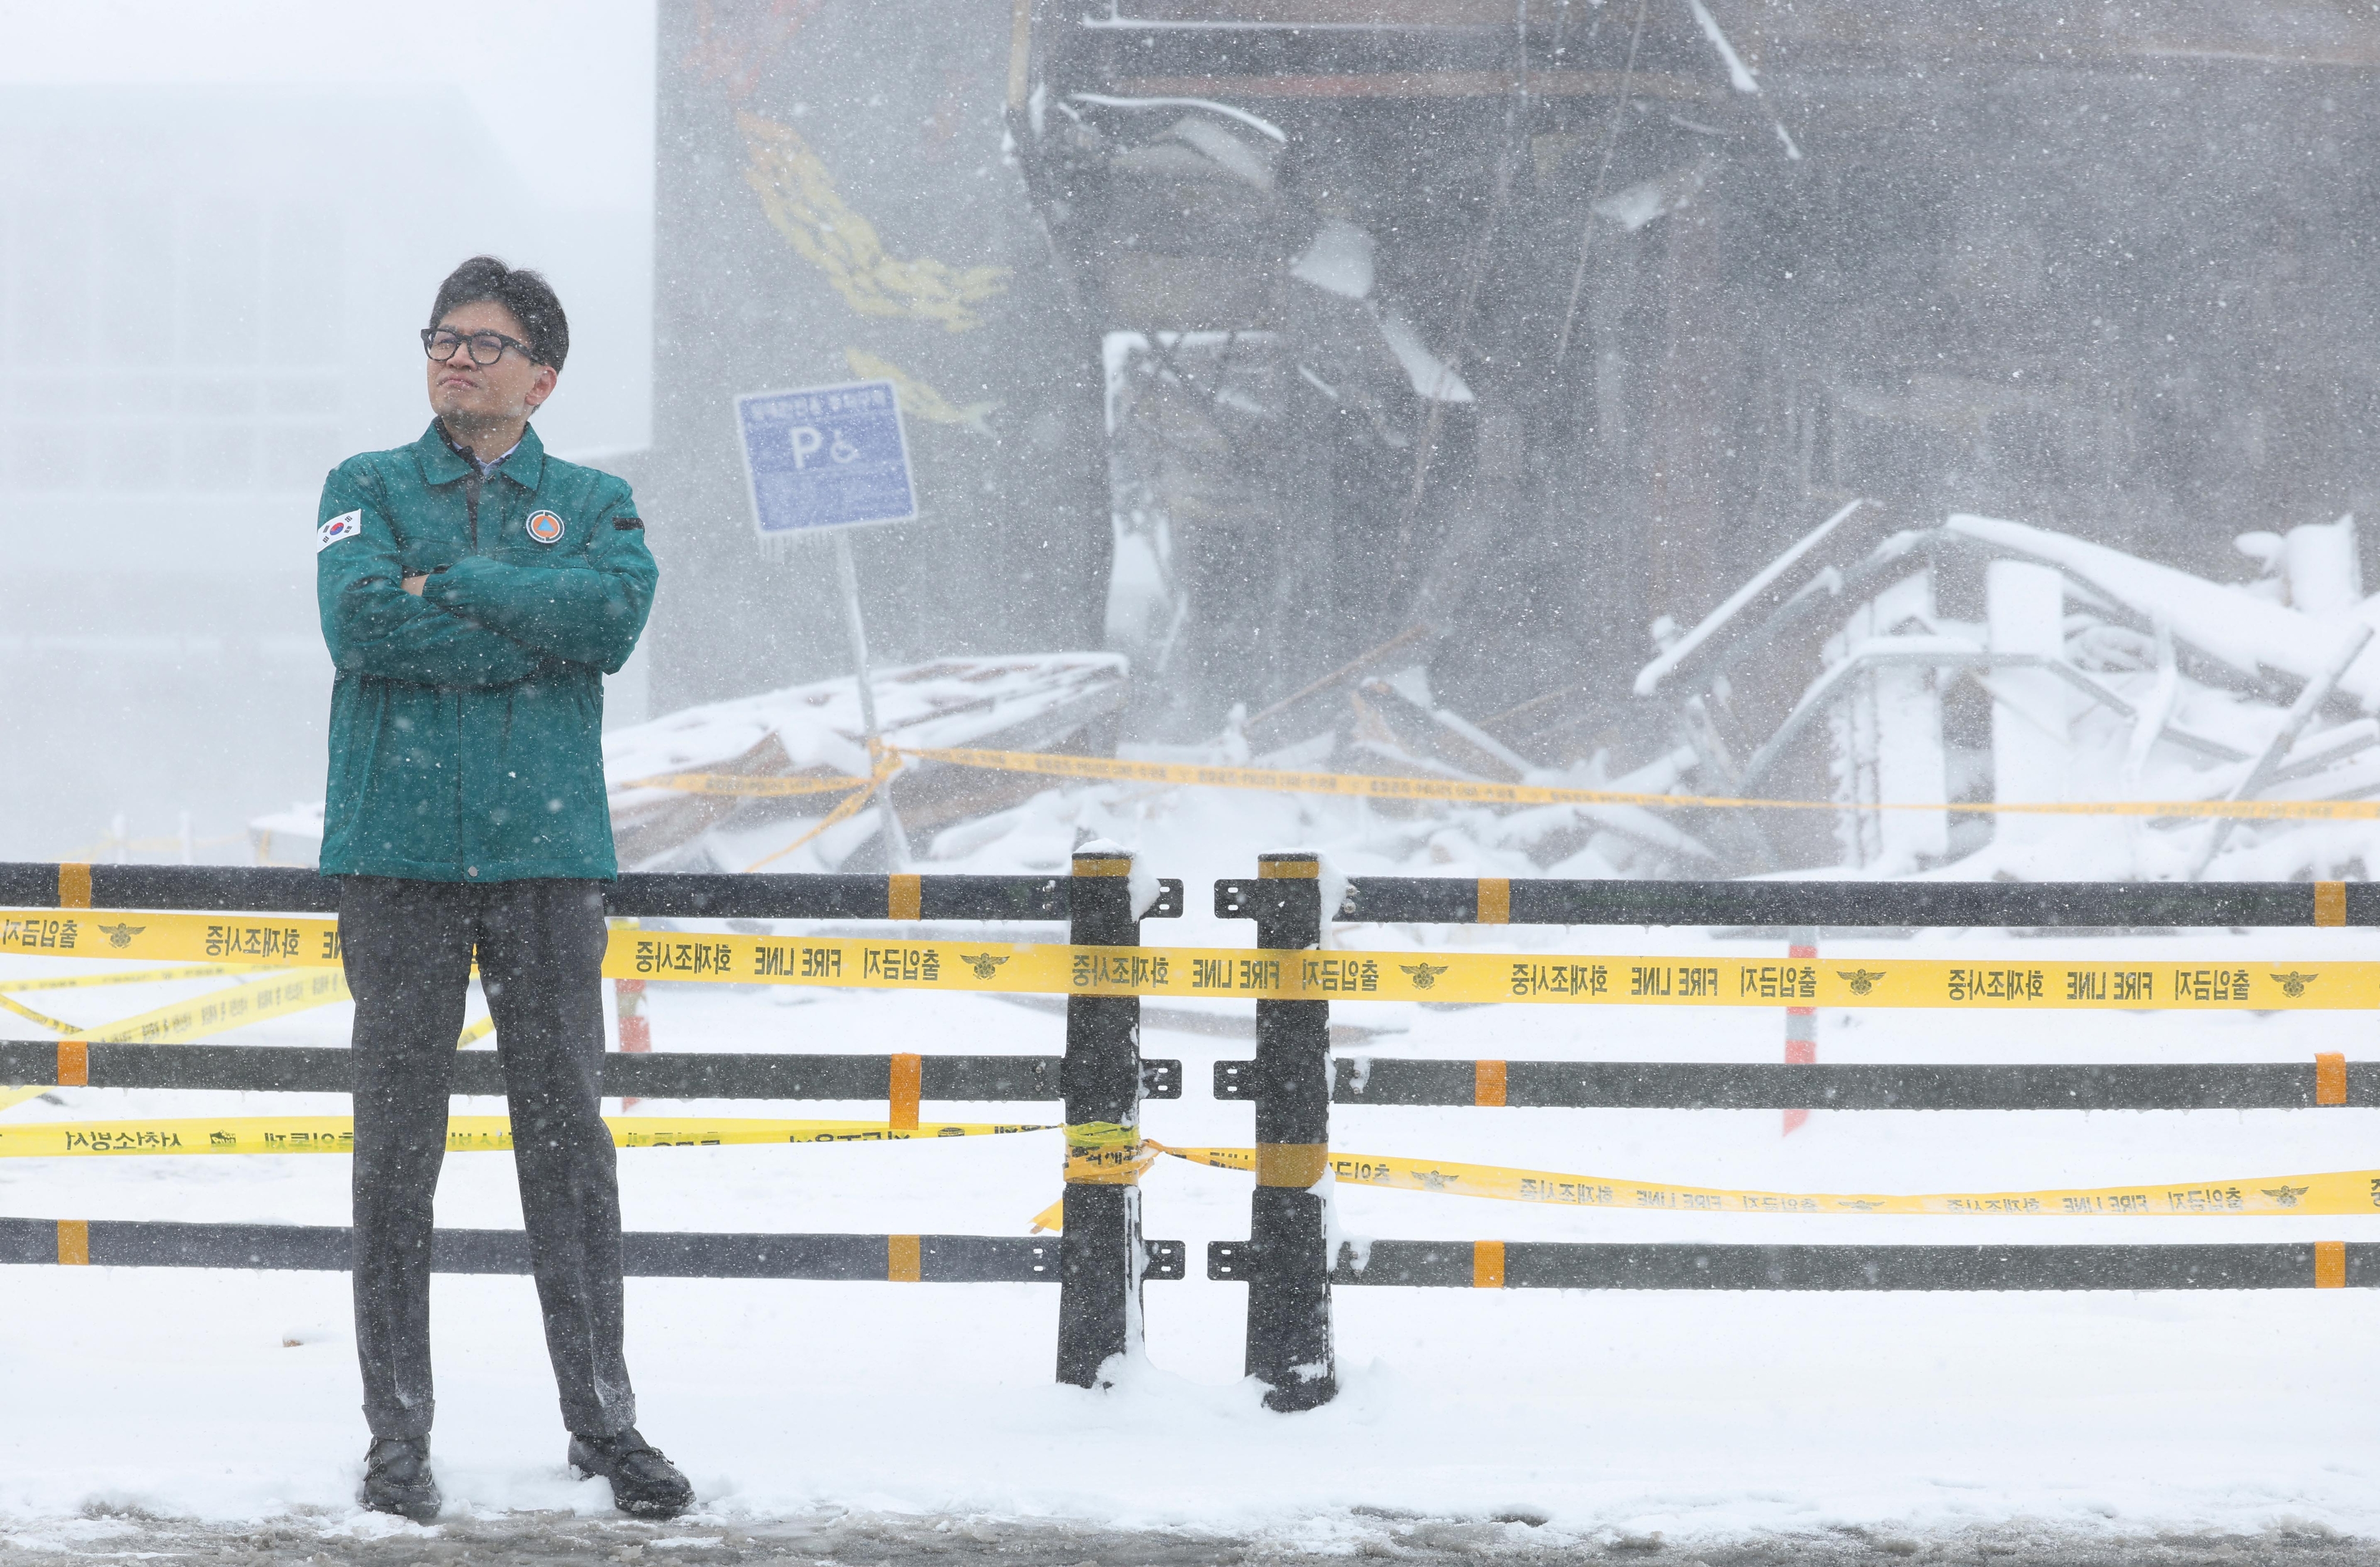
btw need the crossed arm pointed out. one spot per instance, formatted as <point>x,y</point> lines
<point>590,612</point>
<point>375,621</point>
<point>480,622</point>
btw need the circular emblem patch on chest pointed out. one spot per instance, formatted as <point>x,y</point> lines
<point>544,527</point>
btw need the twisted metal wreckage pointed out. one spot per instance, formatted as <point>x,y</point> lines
<point>1334,398</point>
<point>1979,661</point>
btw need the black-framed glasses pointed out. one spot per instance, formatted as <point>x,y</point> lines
<point>487,348</point>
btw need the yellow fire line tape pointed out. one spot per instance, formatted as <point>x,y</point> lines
<point>125,976</point>
<point>221,1011</point>
<point>252,940</point>
<point>44,1018</point>
<point>742,785</point>
<point>1463,792</point>
<point>214,1014</point>
<point>465,1133</point>
<point>1443,976</point>
<point>2332,1193</point>
<point>1101,1153</point>
<point>1239,973</point>
<point>841,813</point>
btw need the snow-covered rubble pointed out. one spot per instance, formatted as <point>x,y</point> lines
<point>1907,676</point>
<point>1029,702</point>
<point>1988,661</point>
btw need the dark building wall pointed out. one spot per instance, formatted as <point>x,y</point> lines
<point>834,205</point>
<point>2103,272</point>
<point>2112,277</point>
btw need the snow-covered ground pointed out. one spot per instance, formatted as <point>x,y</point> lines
<point>230,1395</point>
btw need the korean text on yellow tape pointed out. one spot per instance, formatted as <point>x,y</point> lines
<point>1468,792</point>
<point>1228,972</point>
<point>1476,977</point>
<point>465,1133</point>
<point>2332,1193</point>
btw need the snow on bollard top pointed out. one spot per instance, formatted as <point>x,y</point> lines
<point>1142,880</point>
<point>1332,885</point>
<point>1146,888</point>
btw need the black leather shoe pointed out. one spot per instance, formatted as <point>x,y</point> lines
<point>644,1484</point>
<point>397,1479</point>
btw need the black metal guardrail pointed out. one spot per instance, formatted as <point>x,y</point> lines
<point>1435,900</point>
<point>928,1259</point>
<point>1290,1267</point>
<point>1100,1260</point>
<point>286,1069</point>
<point>279,890</point>
<point>1561,1265</point>
<point>1662,1085</point>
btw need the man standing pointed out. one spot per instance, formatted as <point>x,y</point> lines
<point>474,592</point>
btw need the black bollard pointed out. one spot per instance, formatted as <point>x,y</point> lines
<point>1099,1254</point>
<point>1289,1248</point>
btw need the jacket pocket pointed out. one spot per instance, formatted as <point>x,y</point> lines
<point>395,775</point>
<point>545,802</point>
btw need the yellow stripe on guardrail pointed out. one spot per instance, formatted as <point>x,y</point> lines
<point>1466,792</point>
<point>465,1133</point>
<point>2329,1194</point>
<point>905,1259</point>
<point>1239,973</point>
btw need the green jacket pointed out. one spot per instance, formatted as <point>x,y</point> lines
<point>466,724</point>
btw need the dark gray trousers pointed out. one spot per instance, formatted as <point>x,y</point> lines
<point>408,948</point>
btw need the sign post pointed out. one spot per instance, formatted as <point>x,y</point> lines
<point>827,460</point>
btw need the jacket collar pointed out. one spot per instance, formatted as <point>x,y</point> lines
<point>441,464</point>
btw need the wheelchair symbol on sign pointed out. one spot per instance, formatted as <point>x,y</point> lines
<point>808,438</point>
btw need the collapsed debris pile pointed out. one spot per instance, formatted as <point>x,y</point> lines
<point>1869,673</point>
<point>1044,702</point>
<point>1982,660</point>
<point>1047,701</point>
<point>1875,665</point>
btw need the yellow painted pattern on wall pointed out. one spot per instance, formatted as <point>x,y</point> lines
<point>801,201</point>
<point>916,397</point>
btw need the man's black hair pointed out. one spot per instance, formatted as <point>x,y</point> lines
<point>525,294</point>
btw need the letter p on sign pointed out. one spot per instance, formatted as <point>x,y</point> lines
<point>806,440</point>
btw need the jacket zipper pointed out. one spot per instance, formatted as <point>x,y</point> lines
<point>472,484</point>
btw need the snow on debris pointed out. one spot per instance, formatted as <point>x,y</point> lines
<point>1986,661</point>
<point>2248,633</point>
<point>1026,703</point>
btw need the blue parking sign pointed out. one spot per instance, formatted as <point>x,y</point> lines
<point>825,457</point>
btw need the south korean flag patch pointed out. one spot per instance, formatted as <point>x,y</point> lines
<point>346,524</point>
